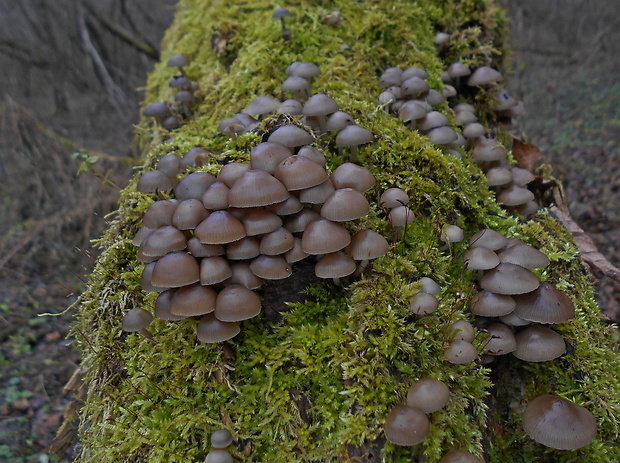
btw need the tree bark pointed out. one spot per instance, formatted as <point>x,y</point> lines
<point>314,377</point>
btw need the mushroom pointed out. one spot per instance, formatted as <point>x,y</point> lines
<point>353,136</point>
<point>136,320</point>
<point>281,13</point>
<point>559,423</point>
<point>178,61</point>
<point>406,426</point>
<point>221,439</point>
<point>428,395</point>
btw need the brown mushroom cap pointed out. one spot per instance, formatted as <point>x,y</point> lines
<point>296,253</point>
<point>423,304</point>
<point>393,197</point>
<point>160,213</point>
<point>192,300</point>
<point>401,216</point>
<point>290,136</point>
<point>297,223</point>
<point>215,197</point>
<point>428,395</point>
<point>266,156</point>
<point>220,227</point>
<point>219,456</point>
<point>262,104</point>
<point>197,249</point>
<point>484,75</point>
<point>488,304</point>
<point>211,330</point>
<point>480,259</point>
<point>324,236</point>
<point>257,188</point>
<point>349,175</point>
<point>501,340</point>
<point>235,303</point>
<point>559,423</point>
<point>214,270</point>
<point>459,352</point>
<point>154,180</point>
<point>276,242</point>
<point>193,186</point>
<point>519,253</point>
<point>509,279</point>
<point>241,274</point>
<point>175,270</point>
<point>334,265</point>
<point>345,204</point>
<point>189,214</point>
<point>367,244</point>
<point>145,279</point>
<point>488,238</point>
<point>136,320</point>
<point>406,426</point>
<point>430,286</point>
<point>271,267</point>
<point>221,439</point>
<point>515,196</point>
<point>539,344</point>
<point>353,135</point>
<point>462,330</point>
<point>299,172</point>
<point>546,304</point>
<point>230,173</point>
<point>317,194</point>
<point>288,207</point>
<point>260,221</point>
<point>162,306</point>
<point>162,241</point>
<point>245,248</point>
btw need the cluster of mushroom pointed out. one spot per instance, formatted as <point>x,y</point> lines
<point>409,425</point>
<point>221,237</point>
<point>170,114</point>
<point>220,441</point>
<point>319,112</point>
<point>513,294</point>
<point>408,95</point>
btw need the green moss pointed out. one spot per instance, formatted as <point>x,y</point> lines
<point>318,385</point>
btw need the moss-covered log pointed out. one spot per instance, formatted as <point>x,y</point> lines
<point>315,381</point>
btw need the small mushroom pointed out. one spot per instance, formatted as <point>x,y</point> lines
<point>406,426</point>
<point>136,320</point>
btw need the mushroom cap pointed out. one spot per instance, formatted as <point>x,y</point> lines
<point>509,279</point>
<point>245,248</point>
<point>231,172</point>
<point>423,304</point>
<point>349,175</point>
<point>338,121</point>
<point>260,221</point>
<point>488,304</point>
<point>291,107</point>
<point>484,75</point>
<point>414,71</point>
<point>175,270</point>
<point>235,303</point>
<point>137,319</point>
<point>401,216</point>
<point>299,172</point>
<point>231,126</point>
<point>303,69</point>
<point>406,426</point>
<point>198,249</point>
<point>192,300</point>
<point>559,423</point>
<point>521,176</point>
<point>145,279</point>
<point>334,265</point>
<point>241,274</point>
<point>157,109</point>
<point>216,197</point>
<point>512,319</point>
<point>480,259</point>
<point>451,234</point>
<point>154,180</point>
<point>290,136</point>
<point>428,395</point>
<point>296,253</point>
<point>313,154</point>
<point>257,188</point>
<point>160,213</point>
<point>413,87</point>
<point>430,286</point>
<point>195,157</point>
<point>221,439</point>
<point>367,244</point>
<point>474,130</point>
<point>498,176</point>
<point>460,456</point>
<point>345,204</point>
<point>266,156</point>
<point>515,196</point>
<point>296,84</point>
<point>220,227</point>
<point>162,241</point>
<point>214,270</point>
<point>460,352</point>
<point>169,164</point>
<point>276,242</point>
<point>324,236</point>
<point>320,104</point>
<point>189,213</point>
<point>193,186</point>
<point>297,223</point>
<point>288,207</point>
<point>488,238</point>
<point>177,60</point>
<point>442,135</point>
<point>458,69</point>
<point>488,149</point>
<point>501,340</point>
<point>462,330</point>
<point>317,194</point>
<point>271,267</point>
<point>411,111</point>
<point>537,343</point>
<point>393,197</point>
<point>519,253</point>
<point>211,330</point>
<point>281,13</point>
<point>432,120</point>
<point>262,104</point>
<point>219,456</point>
<point>545,304</point>
<point>162,306</point>
<point>353,135</point>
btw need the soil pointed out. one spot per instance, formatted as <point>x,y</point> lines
<point>564,66</point>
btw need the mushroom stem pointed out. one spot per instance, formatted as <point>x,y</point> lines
<point>336,281</point>
<point>353,155</point>
<point>146,333</point>
<point>362,266</point>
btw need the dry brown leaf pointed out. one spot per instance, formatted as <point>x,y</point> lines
<point>526,154</point>
<point>589,251</point>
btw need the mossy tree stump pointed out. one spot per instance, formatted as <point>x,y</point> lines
<point>315,381</point>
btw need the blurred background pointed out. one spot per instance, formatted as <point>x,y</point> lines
<point>73,70</point>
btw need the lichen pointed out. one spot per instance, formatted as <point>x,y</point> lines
<point>317,385</point>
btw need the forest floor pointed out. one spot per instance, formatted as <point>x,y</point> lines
<point>564,66</point>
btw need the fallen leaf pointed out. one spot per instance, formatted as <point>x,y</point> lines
<point>589,251</point>
<point>526,154</point>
